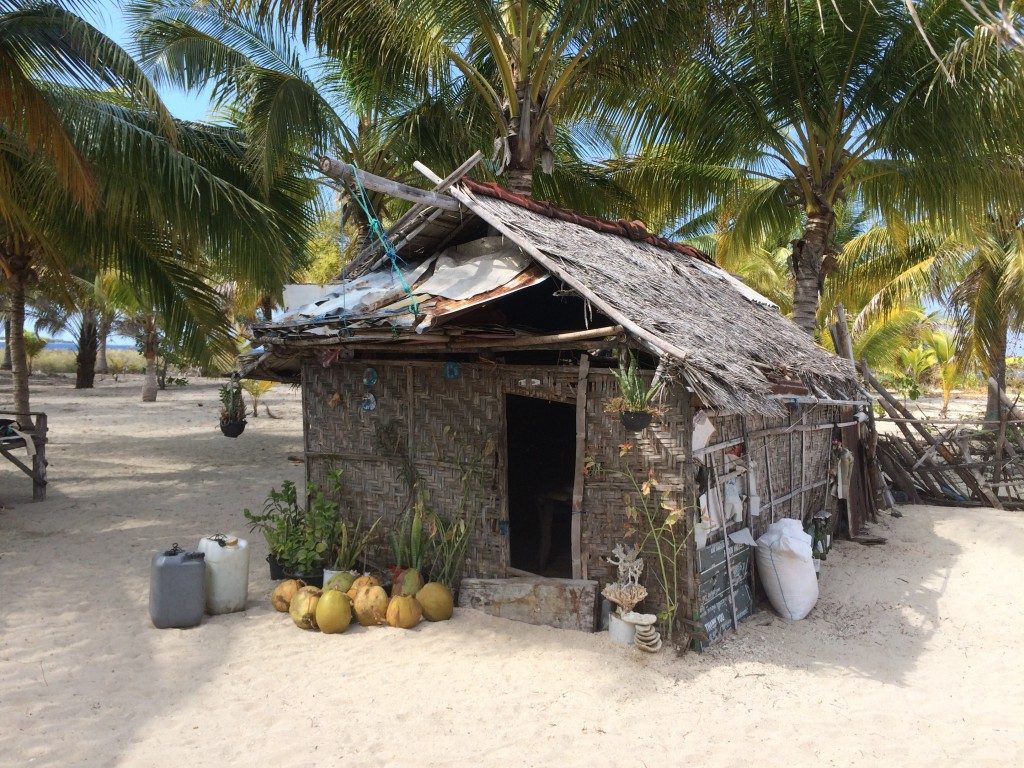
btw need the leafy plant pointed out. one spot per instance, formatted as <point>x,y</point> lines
<point>409,543</point>
<point>279,520</point>
<point>352,542</point>
<point>635,394</point>
<point>232,406</point>
<point>304,541</point>
<point>34,344</point>
<point>256,390</point>
<point>655,523</point>
<point>449,541</point>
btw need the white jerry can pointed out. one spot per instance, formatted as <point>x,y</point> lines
<point>227,573</point>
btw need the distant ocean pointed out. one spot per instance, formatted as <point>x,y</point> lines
<point>62,344</point>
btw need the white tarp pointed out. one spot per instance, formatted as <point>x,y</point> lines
<point>473,268</point>
<point>298,295</point>
<point>355,295</point>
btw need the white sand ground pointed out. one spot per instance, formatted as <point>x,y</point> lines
<point>912,656</point>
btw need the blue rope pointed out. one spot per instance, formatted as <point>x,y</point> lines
<point>377,230</point>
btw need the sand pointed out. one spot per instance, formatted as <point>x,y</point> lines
<point>911,657</point>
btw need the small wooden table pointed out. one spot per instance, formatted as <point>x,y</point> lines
<point>13,445</point>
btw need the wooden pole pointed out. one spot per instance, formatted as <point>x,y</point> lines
<point>971,480</point>
<point>576,533</point>
<point>336,169</point>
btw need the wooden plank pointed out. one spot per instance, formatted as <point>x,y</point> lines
<point>561,603</point>
<point>889,402</point>
<point>336,169</point>
<point>576,534</point>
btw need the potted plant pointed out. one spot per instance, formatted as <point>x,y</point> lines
<point>352,542</point>
<point>301,542</point>
<point>633,403</point>
<point>409,542</point>
<point>232,408</point>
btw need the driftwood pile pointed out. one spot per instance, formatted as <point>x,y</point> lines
<point>965,462</point>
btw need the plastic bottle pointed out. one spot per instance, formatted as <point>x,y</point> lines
<point>227,573</point>
<point>176,588</point>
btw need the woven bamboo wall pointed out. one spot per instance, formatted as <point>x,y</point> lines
<point>799,459</point>
<point>453,430</point>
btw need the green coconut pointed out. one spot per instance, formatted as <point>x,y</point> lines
<point>436,601</point>
<point>404,612</point>
<point>342,582</point>
<point>409,583</point>
<point>371,606</point>
<point>333,611</point>
<point>303,607</point>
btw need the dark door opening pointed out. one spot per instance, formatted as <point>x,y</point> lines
<point>541,437</point>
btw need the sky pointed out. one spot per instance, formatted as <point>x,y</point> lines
<point>109,19</point>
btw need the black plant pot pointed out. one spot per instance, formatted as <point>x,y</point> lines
<point>279,570</point>
<point>232,428</point>
<point>634,421</point>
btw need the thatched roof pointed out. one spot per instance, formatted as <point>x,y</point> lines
<point>731,345</point>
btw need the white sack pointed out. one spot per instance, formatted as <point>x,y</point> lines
<point>785,565</point>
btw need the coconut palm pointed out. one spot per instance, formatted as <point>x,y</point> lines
<point>813,104</point>
<point>976,270</point>
<point>522,69</point>
<point>153,196</point>
<point>318,103</point>
<point>942,346</point>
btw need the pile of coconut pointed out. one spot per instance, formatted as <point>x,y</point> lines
<point>349,595</point>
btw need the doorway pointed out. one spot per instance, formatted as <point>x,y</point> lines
<point>541,443</point>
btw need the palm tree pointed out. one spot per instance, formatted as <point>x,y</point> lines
<point>811,104</point>
<point>522,70</point>
<point>976,270</point>
<point>197,195</point>
<point>949,363</point>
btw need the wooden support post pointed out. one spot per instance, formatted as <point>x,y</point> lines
<point>803,476</point>
<point>39,460</point>
<point>768,474</point>
<point>578,570</point>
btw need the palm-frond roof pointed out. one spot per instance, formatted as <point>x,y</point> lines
<point>731,345</point>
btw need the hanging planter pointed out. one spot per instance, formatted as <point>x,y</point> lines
<point>232,408</point>
<point>634,402</point>
<point>232,428</point>
<point>634,421</point>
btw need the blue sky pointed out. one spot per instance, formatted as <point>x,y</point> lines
<point>107,16</point>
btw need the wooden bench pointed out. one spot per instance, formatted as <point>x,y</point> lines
<point>14,450</point>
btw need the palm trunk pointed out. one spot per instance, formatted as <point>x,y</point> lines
<point>106,322</point>
<point>995,366</point>
<point>149,349</point>
<point>6,364</point>
<point>806,263</point>
<point>267,307</point>
<point>85,360</point>
<point>19,358</point>
<point>520,180</point>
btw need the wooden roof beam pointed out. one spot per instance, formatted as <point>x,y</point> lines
<point>340,171</point>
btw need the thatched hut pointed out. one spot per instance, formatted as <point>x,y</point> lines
<point>479,361</point>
